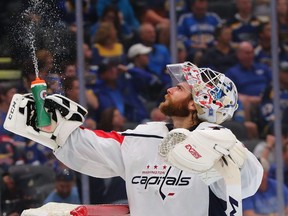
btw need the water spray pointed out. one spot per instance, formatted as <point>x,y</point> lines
<point>38,86</point>
<point>39,91</point>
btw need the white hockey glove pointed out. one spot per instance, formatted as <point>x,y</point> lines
<point>66,116</point>
<point>200,150</point>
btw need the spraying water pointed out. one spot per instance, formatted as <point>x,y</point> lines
<point>38,86</point>
<point>39,28</point>
<point>31,29</point>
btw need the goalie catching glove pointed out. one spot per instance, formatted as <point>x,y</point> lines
<point>199,151</point>
<point>66,116</point>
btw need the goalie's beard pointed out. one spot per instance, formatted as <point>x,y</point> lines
<point>170,108</point>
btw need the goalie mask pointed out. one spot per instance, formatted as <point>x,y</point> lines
<point>215,95</point>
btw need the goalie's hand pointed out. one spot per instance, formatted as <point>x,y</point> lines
<point>66,116</point>
<point>198,151</point>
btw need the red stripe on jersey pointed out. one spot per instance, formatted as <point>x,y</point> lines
<point>113,134</point>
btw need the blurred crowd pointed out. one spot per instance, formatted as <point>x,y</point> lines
<point>126,49</point>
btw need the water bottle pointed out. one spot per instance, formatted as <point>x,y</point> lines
<point>39,88</point>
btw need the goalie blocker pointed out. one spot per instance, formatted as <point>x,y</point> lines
<point>66,116</point>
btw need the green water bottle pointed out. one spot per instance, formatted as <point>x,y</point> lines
<point>39,88</point>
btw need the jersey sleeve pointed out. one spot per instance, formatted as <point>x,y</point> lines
<point>93,152</point>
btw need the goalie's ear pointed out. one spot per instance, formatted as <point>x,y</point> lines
<point>191,105</point>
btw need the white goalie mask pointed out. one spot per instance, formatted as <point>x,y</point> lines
<point>215,95</point>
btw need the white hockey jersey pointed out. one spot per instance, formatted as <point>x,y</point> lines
<point>153,187</point>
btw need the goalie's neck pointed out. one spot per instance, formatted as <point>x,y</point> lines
<point>183,122</point>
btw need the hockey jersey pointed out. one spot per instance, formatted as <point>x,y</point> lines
<point>153,186</point>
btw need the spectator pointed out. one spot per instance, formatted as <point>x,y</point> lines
<point>138,54</point>
<point>45,60</point>
<point>109,190</point>
<point>90,70</point>
<point>266,148</point>
<point>197,28</point>
<point>221,56</point>
<point>71,88</point>
<point>181,52</point>
<point>9,154</point>
<point>65,189</point>
<point>251,126</point>
<point>7,90</point>
<point>163,34</point>
<point>68,69</point>
<point>67,9</point>
<point>35,154</point>
<point>181,6</point>
<point>54,84</point>
<point>113,15</point>
<point>263,50</point>
<point>124,7</point>
<point>146,83</point>
<point>244,24</point>
<point>159,56</point>
<point>250,78</point>
<point>69,12</point>
<point>262,10</point>
<point>28,75</point>
<point>157,115</point>
<point>153,12</point>
<point>267,115</point>
<point>87,52</point>
<point>71,91</point>
<point>12,196</point>
<point>111,119</point>
<point>282,12</point>
<point>107,89</point>
<point>273,168</point>
<point>46,71</point>
<point>156,13</point>
<point>264,201</point>
<point>117,89</point>
<point>106,47</point>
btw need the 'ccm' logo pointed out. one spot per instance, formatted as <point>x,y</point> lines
<point>12,110</point>
<point>192,151</point>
